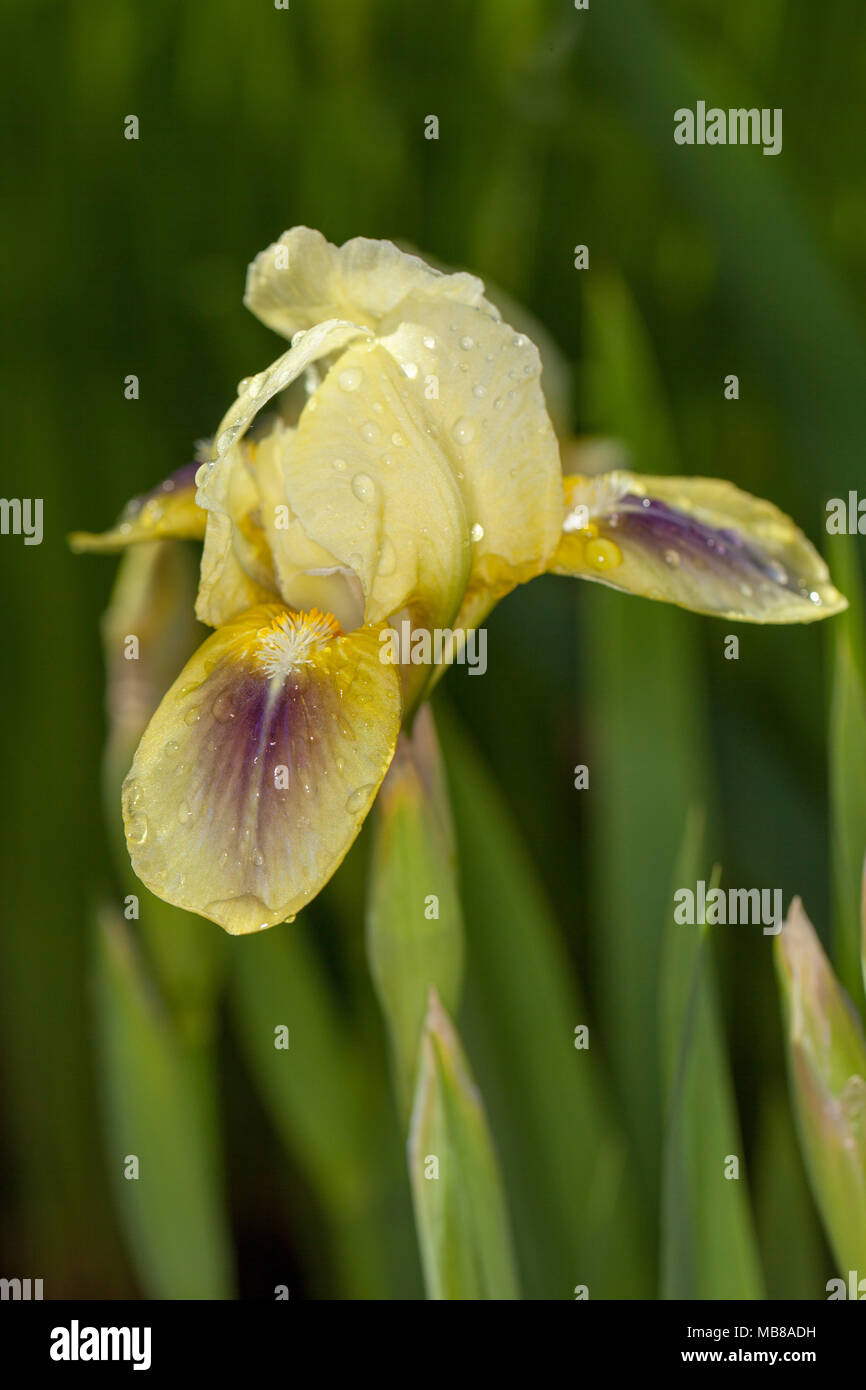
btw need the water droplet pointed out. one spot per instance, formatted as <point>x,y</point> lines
<point>672,559</point>
<point>518,340</point>
<point>171,748</point>
<point>467,343</point>
<point>339,764</point>
<point>221,708</point>
<point>137,830</point>
<point>339,464</point>
<point>350,379</point>
<point>498,403</point>
<point>411,370</point>
<point>356,562</point>
<point>201,474</point>
<point>258,858</point>
<point>184,812</point>
<point>243,386</point>
<point>133,795</point>
<point>479,391</point>
<point>602,554</point>
<point>397,440</point>
<point>225,439</point>
<point>777,572</point>
<point>192,716</point>
<point>429,342</point>
<point>359,798</point>
<point>463,430</point>
<point>477,532</point>
<point>387,558</point>
<point>363,487</point>
<point>296,337</point>
<point>369,432</point>
<point>254,384</point>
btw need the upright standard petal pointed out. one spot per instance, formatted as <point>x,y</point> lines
<point>696,542</point>
<point>254,775</point>
<point>373,483</point>
<point>303,279</point>
<point>166,511</point>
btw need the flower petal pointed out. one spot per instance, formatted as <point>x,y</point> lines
<point>489,414</point>
<point>169,510</point>
<point>374,485</point>
<point>302,279</point>
<point>696,542</point>
<point>254,775</point>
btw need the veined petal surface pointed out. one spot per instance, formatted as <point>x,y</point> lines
<point>254,775</point>
<point>697,542</point>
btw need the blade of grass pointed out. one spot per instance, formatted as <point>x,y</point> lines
<point>709,1249</point>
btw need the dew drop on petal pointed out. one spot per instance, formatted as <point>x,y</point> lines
<point>137,830</point>
<point>467,343</point>
<point>192,716</point>
<point>411,370</point>
<point>369,432</point>
<point>350,379</point>
<point>339,464</point>
<point>477,532</point>
<point>258,858</point>
<point>429,342</point>
<point>184,812</point>
<point>672,559</point>
<point>221,708</point>
<point>359,798</point>
<point>463,430</point>
<point>363,487</point>
<point>602,554</point>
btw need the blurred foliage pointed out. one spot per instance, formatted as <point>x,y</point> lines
<point>128,257</point>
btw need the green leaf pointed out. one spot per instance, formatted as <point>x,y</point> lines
<point>322,1096</point>
<point>160,1105</point>
<point>414,925</point>
<point>570,1181</point>
<point>847,754</point>
<point>827,1066</point>
<point>709,1249</point>
<point>457,1191</point>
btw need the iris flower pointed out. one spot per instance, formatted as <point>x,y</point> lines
<point>419,478</point>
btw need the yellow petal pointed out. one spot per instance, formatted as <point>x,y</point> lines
<point>303,279</point>
<point>254,775</point>
<point>256,391</point>
<point>167,511</point>
<point>373,483</point>
<point>237,568</point>
<point>488,413</point>
<point>697,542</point>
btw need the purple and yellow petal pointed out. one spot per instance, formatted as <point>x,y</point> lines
<point>168,511</point>
<point>254,775</point>
<point>696,542</point>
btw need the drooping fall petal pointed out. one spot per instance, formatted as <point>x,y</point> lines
<point>254,775</point>
<point>166,511</point>
<point>696,542</point>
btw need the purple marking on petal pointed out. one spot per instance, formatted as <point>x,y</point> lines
<point>652,523</point>
<point>182,479</point>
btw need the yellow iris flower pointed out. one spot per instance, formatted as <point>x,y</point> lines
<point>419,478</point>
